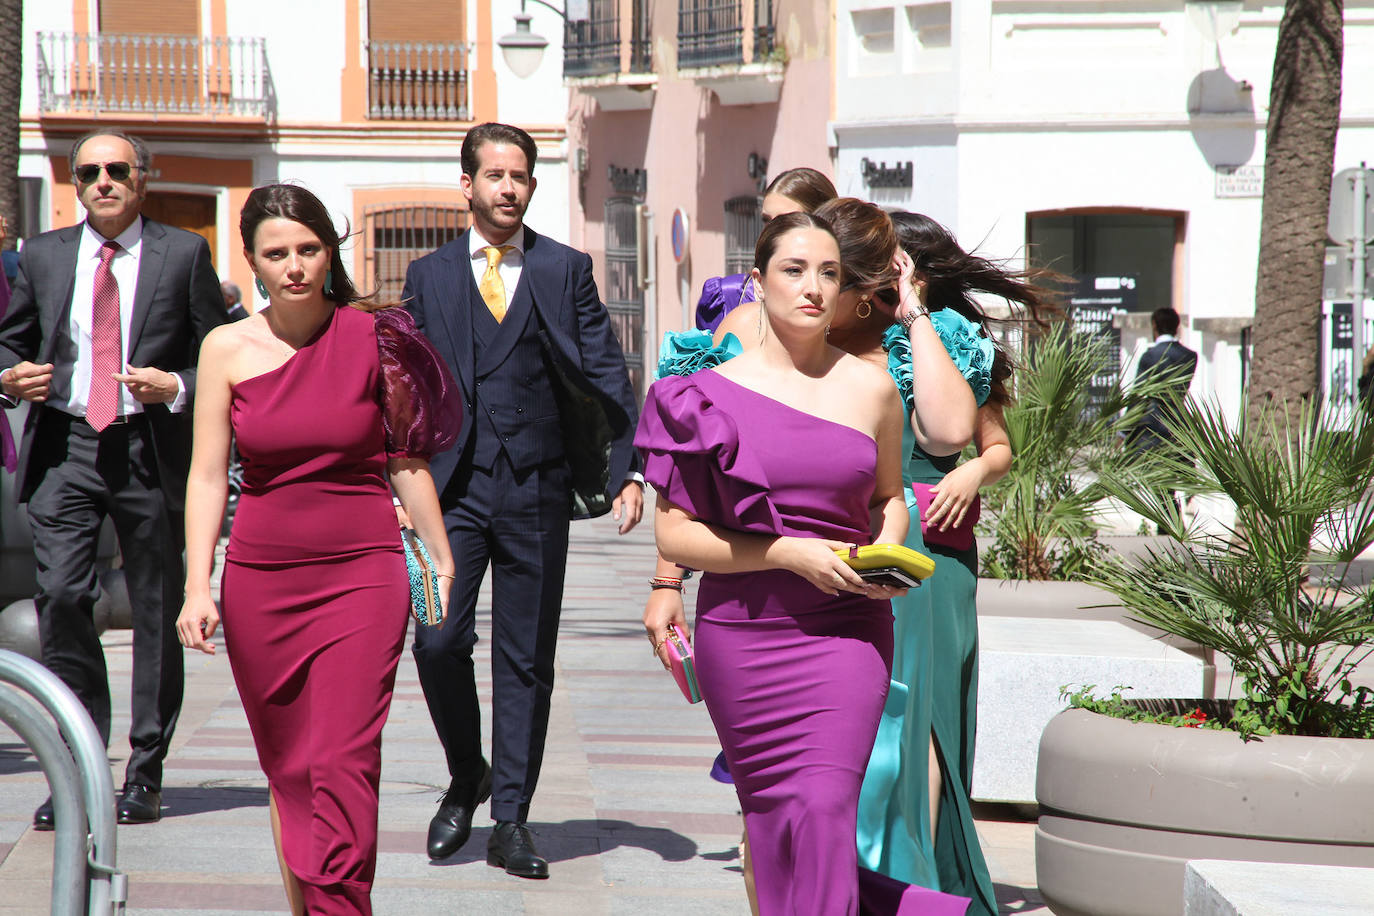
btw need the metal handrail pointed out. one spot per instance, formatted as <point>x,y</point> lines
<point>82,792</point>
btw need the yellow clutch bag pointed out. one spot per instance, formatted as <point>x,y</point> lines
<point>889,564</point>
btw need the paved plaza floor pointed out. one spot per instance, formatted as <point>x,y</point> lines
<point>626,814</point>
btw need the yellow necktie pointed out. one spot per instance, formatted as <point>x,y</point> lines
<point>492,289</point>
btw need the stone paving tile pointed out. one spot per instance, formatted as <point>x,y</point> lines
<point>626,811</point>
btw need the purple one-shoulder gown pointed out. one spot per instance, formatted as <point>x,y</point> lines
<point>794,679</point>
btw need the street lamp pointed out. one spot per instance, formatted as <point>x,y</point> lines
<point>1214,18</point>
<point>522,49</point>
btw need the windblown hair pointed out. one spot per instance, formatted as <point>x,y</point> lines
<point>775,229</point>
<point>952,275</point>
<point>868,242</point>
<point>807,187</point>
<point>289,201</point>
<point>494,132</point>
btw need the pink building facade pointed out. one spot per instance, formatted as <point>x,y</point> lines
<point>680,113</point>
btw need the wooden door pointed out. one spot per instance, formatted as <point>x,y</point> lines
<point>194,212</point>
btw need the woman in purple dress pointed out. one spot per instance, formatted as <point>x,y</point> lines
<point>334,407</point>
<point>765,466</point>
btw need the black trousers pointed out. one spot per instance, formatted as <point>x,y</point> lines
<point>89,476</point>
<point>516,522</point>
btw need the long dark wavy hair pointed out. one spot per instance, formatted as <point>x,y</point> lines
<point>952,275</point>
<point>289,201</point>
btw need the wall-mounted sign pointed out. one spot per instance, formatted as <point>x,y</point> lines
<point>681,230</point>
<point>1240,181</point>
<point>628,181</point>
<point>1105,293</point>
<point>878,175</point>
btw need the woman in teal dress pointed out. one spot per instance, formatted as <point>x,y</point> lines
<point>937,625</point>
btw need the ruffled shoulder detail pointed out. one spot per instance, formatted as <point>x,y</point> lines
<point>422,408</point>
<point>898,347</point>
<point>720,296</point>
<point>694,458</point>
<point>686,352</point>
<point>970,350</point>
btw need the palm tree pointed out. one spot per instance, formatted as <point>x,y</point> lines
<point>11,70</point>
<point>1300,148</point>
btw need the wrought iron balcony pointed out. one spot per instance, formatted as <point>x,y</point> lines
<point>711,33</point>
<point>591,47</point>
<point>417,80</point>
<point>153,74</point>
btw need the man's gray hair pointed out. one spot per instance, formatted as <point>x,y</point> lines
<point>145,158</point>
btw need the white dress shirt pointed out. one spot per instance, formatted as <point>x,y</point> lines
<point>71,379</point>
<point>512,265</point>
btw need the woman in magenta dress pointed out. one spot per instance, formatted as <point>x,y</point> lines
<point>763,467</point>
<point>330,404</point>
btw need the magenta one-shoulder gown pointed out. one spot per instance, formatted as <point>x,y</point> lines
<point>315,591</point>
<point>794,679</point>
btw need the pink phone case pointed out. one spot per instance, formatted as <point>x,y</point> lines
<point>679,649</point>
<point>958,538</point>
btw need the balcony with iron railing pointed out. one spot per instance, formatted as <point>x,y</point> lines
<point>597,48</point>
<point>713,32</point>
<point>85,75</point>
<point>730,46</point>
<point>417,81</point>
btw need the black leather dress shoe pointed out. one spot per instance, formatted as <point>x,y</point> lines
<point>43,818</point>
<point>139,805</point>
<point>451,826</point>
<point>512,848</point>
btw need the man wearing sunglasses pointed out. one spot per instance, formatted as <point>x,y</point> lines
<point>101,337</point>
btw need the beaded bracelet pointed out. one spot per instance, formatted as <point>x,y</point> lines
<point>658,582</point>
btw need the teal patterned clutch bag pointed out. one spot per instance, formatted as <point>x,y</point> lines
<point>424,581</point>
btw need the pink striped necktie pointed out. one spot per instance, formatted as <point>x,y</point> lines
<point>107,351</point>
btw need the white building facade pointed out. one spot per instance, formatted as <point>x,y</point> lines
<point>365,102</point>
<point>1116,141</point>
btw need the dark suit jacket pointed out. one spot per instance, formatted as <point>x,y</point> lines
<point>440,292</point>
<point>176,304</point>
<point>1166,360</point>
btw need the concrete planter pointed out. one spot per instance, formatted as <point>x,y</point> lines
<point>1124,806</point>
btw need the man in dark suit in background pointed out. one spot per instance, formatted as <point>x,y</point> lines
<point>233,301</point>
<point>1169,362</point>
<point>547,436</point>
<point>101,339</point>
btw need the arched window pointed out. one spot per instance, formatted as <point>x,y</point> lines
<point>396,234</point>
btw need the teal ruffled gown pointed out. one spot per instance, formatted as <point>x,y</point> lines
<point>934,671</point>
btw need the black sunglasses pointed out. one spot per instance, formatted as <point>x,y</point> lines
<point>118,171</point>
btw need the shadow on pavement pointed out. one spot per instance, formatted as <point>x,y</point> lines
<point>17,758</point>
<point>576,839</point>
<point>186,802</point>
<point>1013,899</point>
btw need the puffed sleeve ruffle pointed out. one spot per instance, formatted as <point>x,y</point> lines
<point>694,458</point>
<point>720,296</point>
<point>422,408</point>
<point>686,352</point>
<point>971,352</point>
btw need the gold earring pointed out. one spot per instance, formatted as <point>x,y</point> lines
<point>865,308</point>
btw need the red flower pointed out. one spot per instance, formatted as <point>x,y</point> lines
<point>1194,719</point>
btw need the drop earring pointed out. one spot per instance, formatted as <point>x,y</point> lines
<point>865,308</point>
<point>262,288</point>
<point>329,282</point>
